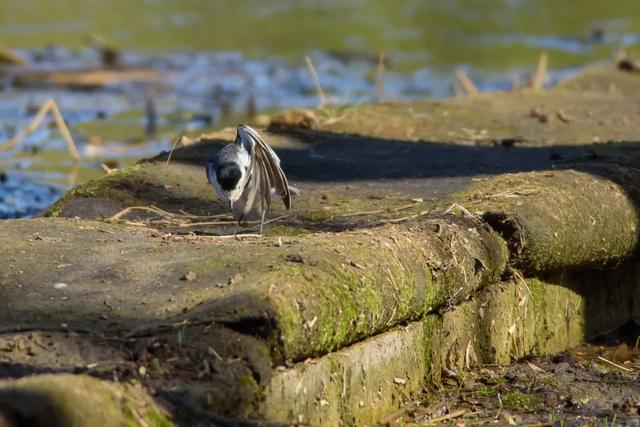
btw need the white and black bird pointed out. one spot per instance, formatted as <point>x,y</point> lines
<point>246,173</point>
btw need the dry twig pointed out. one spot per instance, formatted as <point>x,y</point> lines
<point>108,170</point>
<point>462,209</point>
<point>466,83</point>
<point>377,211</point>
<point>163,213</point>
<point>161,217</point>
<point>316,79</point>
<point>405,218</point>
<point>520,278</point>
<point>381,92</point>
<point>624,368</point>
<point>397,414</point>
<point>541,72</point>
<point>449,416</point>
<point>179,140</point>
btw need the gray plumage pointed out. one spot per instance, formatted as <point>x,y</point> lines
<point>246,173</point>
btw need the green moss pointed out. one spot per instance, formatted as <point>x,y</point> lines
<point>285,230</point>
<point>248,381</point>
<point>317,215</point>
<point>430,324</point>
<point>155,418</point>
<point>150,416</point>
<point>484,391</point>
<point>352,286</point>
<point>113,187</point>
<point>81,400</point>
<point>521,401</point>
<point>563,219</point>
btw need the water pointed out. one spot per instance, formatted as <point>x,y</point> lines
<point>220,60</point>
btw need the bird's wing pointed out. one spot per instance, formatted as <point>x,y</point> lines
<point>211,171</point>
<point>265,171</point>
<point>211,177</point>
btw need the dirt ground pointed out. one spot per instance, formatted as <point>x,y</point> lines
<point>595,384</point>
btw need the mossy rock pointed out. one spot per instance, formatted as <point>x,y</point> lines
<point>558,219</point>
<point>74,400</point>
<point>514,319</point>
<point>335,289</point>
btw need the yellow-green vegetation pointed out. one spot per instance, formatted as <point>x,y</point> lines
<point>248,381</point>
<point>285,230</point>
<point>485,391</point>
<point>521,401</point>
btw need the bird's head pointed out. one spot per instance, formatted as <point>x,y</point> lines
<point>229,177</point>
<point>229,172</point>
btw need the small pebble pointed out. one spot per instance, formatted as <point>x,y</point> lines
<point>60,285</point>
<point>189,276</point>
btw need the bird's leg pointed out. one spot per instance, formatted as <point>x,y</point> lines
<point>235,232</point>
<point>262,221</point>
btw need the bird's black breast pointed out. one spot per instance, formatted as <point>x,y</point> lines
<point>228,176</point>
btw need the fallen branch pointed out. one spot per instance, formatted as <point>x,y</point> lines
<point>48,105</point>
<point>82,79</point>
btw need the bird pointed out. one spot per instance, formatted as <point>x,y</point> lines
<point>246,172</point>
